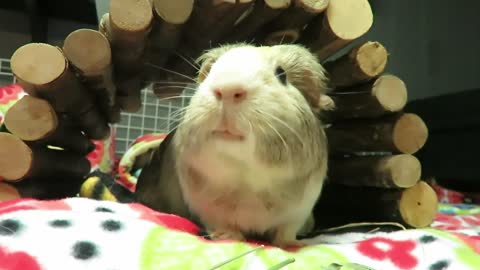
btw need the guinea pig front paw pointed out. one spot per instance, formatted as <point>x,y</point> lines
<point>226,234</point>
<point>289,244</point>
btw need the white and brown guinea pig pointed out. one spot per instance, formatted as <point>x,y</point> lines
<point>250,155</point>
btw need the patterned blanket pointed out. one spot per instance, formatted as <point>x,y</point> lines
<point>81,233</point>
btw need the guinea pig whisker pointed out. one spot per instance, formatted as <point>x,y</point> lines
<point>172,97</point>
<point>279,135</point>
<point>244,119</point>
<point>172,82</point>
<point>175,86</point>
<point>178,114</point>
<point>283,123</point>
<point>179,121</point>
<point>184,57</point>
<point>281,74</point>
<point>274,130</point>
<point>171,71</point>
<point>192,118</point>
<point>191,63</point>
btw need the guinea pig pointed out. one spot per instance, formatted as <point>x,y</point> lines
<point>250,153</point>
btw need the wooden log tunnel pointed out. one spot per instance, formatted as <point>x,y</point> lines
<point>83,86</point>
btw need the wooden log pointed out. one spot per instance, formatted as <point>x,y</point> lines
<point>385,95</point>
<point>91,122</point>
<point>282,37</point>
<point>312,6</point>
<point>129,93</point>
<point>34,120</point>
<point>211,20</point>
<point>171,17</point>
<point>44,68</point>
<point>90,54</point>
<point>342,22</point>
<point>130,61</point>
<point>19,161</point>
<point>295,18</point>
<point>130,102</point>
<point>414,207</point>
<point>48,188</point>
<point>403,133</point>
<point>126,57</point>
<point>396,171</point>
<point>299,14</point>
<point>361,64</point>
<point>167,30</point>
<point>127,27</point>
<point>114,113</point>
<point>130,21</point>
<point>263,12</point>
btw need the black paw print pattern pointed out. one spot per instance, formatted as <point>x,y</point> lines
<point>95,235</point>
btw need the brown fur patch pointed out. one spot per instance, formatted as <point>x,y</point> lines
<point>195,180</point>
<point>227,201</point>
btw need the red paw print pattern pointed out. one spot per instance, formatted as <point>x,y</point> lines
<point>17,260</point>
<point>448,222</point>
<point>9,93</point>
<point>472,220</point>
<point>396,251</point>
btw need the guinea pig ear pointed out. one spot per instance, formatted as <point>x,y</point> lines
<point>326,103</point>
<point>315,88</point>
<point>205,61</point>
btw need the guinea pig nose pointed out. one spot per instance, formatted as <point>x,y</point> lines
<point>230,95</point>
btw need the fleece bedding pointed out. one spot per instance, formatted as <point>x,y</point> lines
<point>83,233</point>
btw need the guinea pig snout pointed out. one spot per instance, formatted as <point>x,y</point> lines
<point>231,95</point>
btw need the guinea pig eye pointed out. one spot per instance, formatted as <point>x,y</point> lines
<point>281,75</point>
